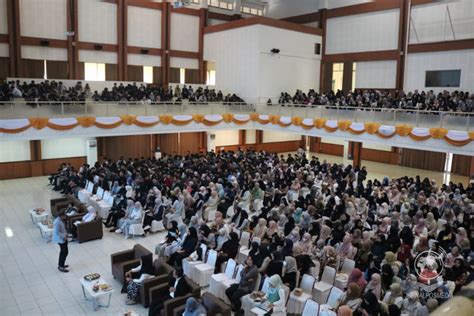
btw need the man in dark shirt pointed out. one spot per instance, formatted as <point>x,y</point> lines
<point>177,288</point>
<point>246,285</point>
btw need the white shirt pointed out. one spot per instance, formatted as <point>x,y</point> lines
<point>175,285</point>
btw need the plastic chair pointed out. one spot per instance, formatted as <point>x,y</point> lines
<point>342,277</point>
<point>186,264</point>
<point>223,286</point>
<point>244,247</point>
<point>201,273</point>
<point>221,277</point>
<point>335,294</point>
<point>296,303</point>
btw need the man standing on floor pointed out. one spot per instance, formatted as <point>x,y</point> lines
<point>60,238</point>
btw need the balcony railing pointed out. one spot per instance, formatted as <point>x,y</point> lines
<point>419,118</point>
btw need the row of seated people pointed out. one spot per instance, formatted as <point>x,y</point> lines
<point>457,101</point>
<point>318,213</point>
<point>57,91</point>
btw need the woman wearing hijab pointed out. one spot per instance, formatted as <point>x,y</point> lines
<point>331,258</point>
<point>228,251</point>
<point>272,229</point>
<point>357,277</point>
<point>304,246</point>
<point>289,276</point>
<point>187,247</point>
<point>262,258</point>
<point>275,296</point>
<point>393,239</point>
<point>244,222</point>
<point>420,229</point>
<point>276,264</point>
<point>394,296</point>
<point>325,233</point>
<point>370,306</point>
<point>387,276</point>
<point>261,228</point>
<point>351,297</point>
<point>345,249</point>
<point>289,226</point>
<point>193,308</point>
<point>171,236</point>
<point>294,236</point>
<point>135,277</point>
<point>176,245</point>
<point>206,236</point>
<point>375,286</point>
<point>411,303</point>
<point>154,215</point>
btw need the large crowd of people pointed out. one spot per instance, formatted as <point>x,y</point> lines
<point>303,211</point>
<point>457,101</point>
<point>56,91</point>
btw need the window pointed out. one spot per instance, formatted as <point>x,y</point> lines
<point>94,72</point>
<point>220,4</point>
<point>182,74</point>
<point>211,78</point>
<point>147,74</point>
<point>45,67</point>
<point>337,73</point>
<point>353,76</point>
<point>443,78</point>
<point>252,11</point>
<point>196,1</point>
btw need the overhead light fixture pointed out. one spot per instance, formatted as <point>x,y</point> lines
<point>275,51</point>
<point>8,232</point>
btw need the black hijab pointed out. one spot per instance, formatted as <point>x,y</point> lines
<point>147,265</point>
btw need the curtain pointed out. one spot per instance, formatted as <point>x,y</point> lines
<point>56,69</point>
<point>191,76</point>
<point>32,68</point>
<point>135,73</point>
<point>422,159</point>
<point>111,72</point>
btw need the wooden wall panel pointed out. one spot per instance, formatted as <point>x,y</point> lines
<point>461,165</point>
<point>331,149</point>
<point>191,76</point>
<point>25,169</point>
<point>421,159</point>
<point>111,72</point>
<point>388,157</point>
<point>132,146</point>
<point>4,68</point>
<point>168,143</point>
<point>135,73</point>
<point>189,143</point>
<point>157,75</point>
<point>56,69</point>
<point>32,68</point>
<point>278,147</point>
<point>174,75</point>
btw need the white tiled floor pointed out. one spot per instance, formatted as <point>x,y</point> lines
<point>32,285</point>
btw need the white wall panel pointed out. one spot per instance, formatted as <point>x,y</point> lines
<point>3,17</point>
<point>4,50</point>
<point>295,67</point>
<point>188,63</point>
<point>184,32</point>
<point>144,27</point>
<point>46,18</point>
<point>363,32</point>
<point>376,74</point>
<point>235,53</point>
<point>98,57</point>
<point>283,9</point>
<point>430,22</point>
<point>418,64</point>
<point>14,151</point>
<point>226,138</point>
<point>332,4</point>
<point>144,60</point>
<point>250,136</point>
<point>63,148</point>
<point>97,21</point>
<point>273,136</point>
<point>48,53</point>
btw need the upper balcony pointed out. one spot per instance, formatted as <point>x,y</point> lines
<point>459,121</point>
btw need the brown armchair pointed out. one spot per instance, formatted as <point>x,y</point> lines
<point>161,290</point>
<point>125,260</point>
<point>212,304</point>
<point>87,231</point>
<point>163,273</point>
<point>62,203</point>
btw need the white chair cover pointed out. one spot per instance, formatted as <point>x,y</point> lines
<point>157,226</point>
<point>244,247</point>
<point>224,285</point>
<point>342,277</point>
<point>137,229</point>
<point>321,289</point>
<point>201,273</point>
<point>333,297</point>
<point>216,279</point>
<point>311,308</point>
<point>296,304</point>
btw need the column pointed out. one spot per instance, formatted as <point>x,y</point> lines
<point>242,137</point>
<point>237,5</point>
<point>347,77</point>
<point>354,154</point>
<point>471,170</point>
<point>91,151</point>
<point>211,141</point>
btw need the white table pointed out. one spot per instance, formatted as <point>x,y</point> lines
<point>90,295</point>
<point>38,218</point>
<point>46,232</point>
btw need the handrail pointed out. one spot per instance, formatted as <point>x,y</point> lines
<point>283,106</point>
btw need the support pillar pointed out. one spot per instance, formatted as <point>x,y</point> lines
<point>355,153</point>
<point>471,169</point>
<point>242,137</point>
